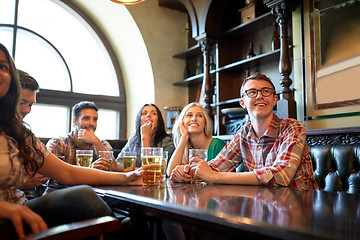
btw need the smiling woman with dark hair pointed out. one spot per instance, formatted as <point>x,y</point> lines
<point>23,155</point>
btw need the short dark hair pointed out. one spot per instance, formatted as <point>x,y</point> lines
<point>27,81</point>
<point>82,105</point>
<point>256,76</point>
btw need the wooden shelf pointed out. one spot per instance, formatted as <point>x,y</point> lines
<point>236,66</point>
<point>252,62</point>
<point>193,79</point>
<point>235,100</point>
<point>190,52</point>
<point>255,25</point>
<point>190,80</point>
<point>231,45</point>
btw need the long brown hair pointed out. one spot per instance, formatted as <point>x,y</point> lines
<point>160,132</point>
<point>11,123</point>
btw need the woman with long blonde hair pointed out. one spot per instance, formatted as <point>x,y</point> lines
<point>192,130</point>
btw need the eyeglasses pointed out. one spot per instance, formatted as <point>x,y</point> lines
<point>252,93</point>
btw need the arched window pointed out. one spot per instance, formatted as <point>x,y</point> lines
<point>70,58</point>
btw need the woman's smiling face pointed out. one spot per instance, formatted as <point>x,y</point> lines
<point>194,120</point>
<point>5,76</point>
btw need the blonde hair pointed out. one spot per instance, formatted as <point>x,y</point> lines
<point>176,131</point>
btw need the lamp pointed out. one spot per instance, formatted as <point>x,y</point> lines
<point>127,2</point>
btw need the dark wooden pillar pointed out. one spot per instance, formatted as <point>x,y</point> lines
<point>282,10</point>
<point>206,48</point>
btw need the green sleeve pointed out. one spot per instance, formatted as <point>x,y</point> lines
<point>216,145</point>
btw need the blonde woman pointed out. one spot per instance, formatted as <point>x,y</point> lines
<point>192,130</point>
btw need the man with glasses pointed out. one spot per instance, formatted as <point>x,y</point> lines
<point>273,151</point>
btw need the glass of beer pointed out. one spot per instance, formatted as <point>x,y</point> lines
<point>109,155</point>
<point>151,159</point>
<point>84,158</point>
<point>199,153</point>
<point>129,161</point>
<point>164,163</point>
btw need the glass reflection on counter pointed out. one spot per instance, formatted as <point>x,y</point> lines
<point>328,215</point>
<point>274,206</point>
<point>285,207</point>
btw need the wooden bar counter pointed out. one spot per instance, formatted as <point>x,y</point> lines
<point>245,212</point>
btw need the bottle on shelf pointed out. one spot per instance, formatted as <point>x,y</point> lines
<point>251,53</point>
<point>275,44</point>
<point>199,67</point>
<point>212,63</point>
<point>214,95</point>
<point>248,72</point>
<point>186,71</point>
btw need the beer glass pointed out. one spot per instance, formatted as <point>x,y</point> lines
<point>109,155</point>
<point>129,161</point>
<point>84,158</point>
<point>151,158</point>
<point>164,163</point>
<point>199,153</point>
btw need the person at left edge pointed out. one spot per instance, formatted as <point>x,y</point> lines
<point>22,155</point>
<point>29,89</point>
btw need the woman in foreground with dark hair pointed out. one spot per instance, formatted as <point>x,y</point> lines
<point>23,155</point>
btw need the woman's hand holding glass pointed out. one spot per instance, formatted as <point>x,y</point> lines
<point>135,177</point>
<point>181,173</point>
<point>201,169</point>
<point>200,154</point>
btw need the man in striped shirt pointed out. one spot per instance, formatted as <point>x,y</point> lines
<point>274,151</point>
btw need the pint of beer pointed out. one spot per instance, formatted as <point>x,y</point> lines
<point>151,159</point>
<point>84,158</point>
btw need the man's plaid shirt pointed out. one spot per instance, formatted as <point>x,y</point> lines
<point>280,157</point>
<point>66,146</point>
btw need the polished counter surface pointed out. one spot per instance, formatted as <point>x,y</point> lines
<point>247,211</point>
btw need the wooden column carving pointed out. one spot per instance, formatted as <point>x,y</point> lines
<point>206,48</point>
<point>282,10</point>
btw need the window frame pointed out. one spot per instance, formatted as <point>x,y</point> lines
<point>68,99</point>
